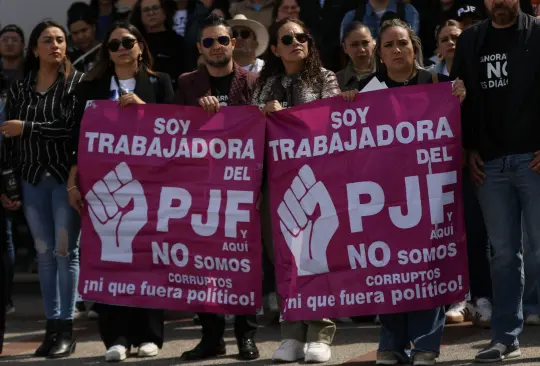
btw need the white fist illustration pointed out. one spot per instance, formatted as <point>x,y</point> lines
<point>116,228</point>
<point>308,239</point>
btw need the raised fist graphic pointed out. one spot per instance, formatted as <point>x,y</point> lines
<point>308,239</point>
<point>117,228</point>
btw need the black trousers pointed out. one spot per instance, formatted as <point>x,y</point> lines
<point>126,326</point>
<point>478,247</point>
<point>213,327</point>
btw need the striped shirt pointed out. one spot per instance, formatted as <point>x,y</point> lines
<point>44,145</point>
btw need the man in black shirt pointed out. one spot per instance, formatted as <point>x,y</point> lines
<point>219,82</point>
<point>499,61</point>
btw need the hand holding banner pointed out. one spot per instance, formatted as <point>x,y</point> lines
<point>170,220</point>
<point>365,202</point>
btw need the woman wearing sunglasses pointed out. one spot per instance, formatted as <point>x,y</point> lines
<point>292,75</point>
<point>124,74</point>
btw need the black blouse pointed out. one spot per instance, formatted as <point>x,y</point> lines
<point>44,145</point>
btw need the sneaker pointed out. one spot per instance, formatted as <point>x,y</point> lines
<point>10,309</point>
<point>496,353</point>
<point>116,354</point>
<point>391,358</point>
<point>377,321</point>
<point>317,352</point>
<point>457,313</point>
<point>289,350</point>
<point>424,358</point>
<point>148,350</point>
<point>532,319</point>
<point>482,313</point>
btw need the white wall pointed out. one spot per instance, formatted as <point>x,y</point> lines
<point>27,13</point>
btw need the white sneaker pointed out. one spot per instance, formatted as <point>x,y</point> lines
<point>318,352</point>
<point>116,354</point>
<point>289,350</point>
<point>148,350</point>
<point>532,319</point>
<point>457,313</point>
<point>482,314</point>
<point>92,314</point>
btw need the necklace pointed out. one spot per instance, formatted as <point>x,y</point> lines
<point>406,82</point>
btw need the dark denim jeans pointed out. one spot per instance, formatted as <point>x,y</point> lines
<point>423,329</point>
<point>510,189</point>
<point>478,246</point>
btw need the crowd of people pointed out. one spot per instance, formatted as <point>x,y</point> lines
<point>277,54</point>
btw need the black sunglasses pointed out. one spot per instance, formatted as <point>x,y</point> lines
<point>288,39</point>
<point>244,33</point>
<point>222,40</point>
<point>127,43</point>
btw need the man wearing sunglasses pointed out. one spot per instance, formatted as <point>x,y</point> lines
<point>251,42</point>
<point>219,82</point>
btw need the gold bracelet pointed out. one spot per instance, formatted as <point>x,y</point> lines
<point>71,188</point>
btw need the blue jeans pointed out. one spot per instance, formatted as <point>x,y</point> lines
<point>510,189</point>
<point>11,258</point>
<point>422,328</point>
<point>531,301</point>
<point>55,227</point>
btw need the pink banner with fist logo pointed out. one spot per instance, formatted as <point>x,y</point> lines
<point>170,218</point>
<point>365,202</point>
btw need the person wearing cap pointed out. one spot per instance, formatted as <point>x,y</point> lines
<point>469,15</point>
<point>251,42</point>
<point>12,51</point>
<point>82,27</point>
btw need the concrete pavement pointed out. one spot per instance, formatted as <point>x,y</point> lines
<point>355,344</point>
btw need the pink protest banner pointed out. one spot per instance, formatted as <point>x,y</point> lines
<point>170,218</point>
<point>365,202</point>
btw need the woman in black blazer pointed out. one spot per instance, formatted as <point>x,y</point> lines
<point>123,73</point>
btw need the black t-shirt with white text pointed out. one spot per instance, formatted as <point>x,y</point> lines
<point>499,43</point>
<point>220,87</point>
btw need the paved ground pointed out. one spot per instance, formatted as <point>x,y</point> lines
<point>355,344</point>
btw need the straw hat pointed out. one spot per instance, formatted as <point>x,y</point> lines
<point>260,31</point>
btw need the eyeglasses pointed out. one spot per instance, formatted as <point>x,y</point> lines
<point>127,43</point>
<point>151,9</point>
<point>222,40</point>
<point>288,39</point>
<point>243,33</point>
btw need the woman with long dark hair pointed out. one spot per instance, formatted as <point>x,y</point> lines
<point>293,75</point>
<point>154,18</point>
<point>123,73</point>
<point>398,59</point>
<point>37,129</point>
